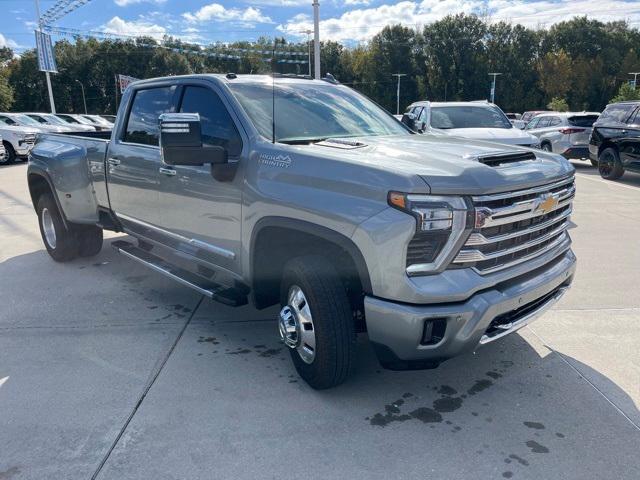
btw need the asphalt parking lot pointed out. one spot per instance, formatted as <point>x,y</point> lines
<point>110,371</point>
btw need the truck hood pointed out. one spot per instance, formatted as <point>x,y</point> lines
<point>449,165</point>
<point>511,136</point>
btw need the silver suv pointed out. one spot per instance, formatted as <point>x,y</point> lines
<point>565,133</point>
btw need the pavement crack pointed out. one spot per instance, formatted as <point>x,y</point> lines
<point>145,391</point>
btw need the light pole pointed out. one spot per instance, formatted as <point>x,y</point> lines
<point>316,39</point>
<point>635,78</point>
<point>308,32</point>
<point>84,100</point>
<point>51,102</point>
<point>493,86</point>
<point>399,75</point>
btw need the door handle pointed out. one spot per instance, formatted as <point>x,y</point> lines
<point>167,171</point>
<point>114,162</point>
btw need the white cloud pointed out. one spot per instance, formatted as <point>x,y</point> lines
<point>125,3</point>
<point>118,26</point>
<point>280,3</point>
<point>215,11</point>
<point>7,42</point>
<point>361,24</point>
<point>357,2</point>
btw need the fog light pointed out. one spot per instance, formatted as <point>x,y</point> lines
<point>433,332</point>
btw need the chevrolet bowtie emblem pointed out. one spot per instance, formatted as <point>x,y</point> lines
<point>545,204</point>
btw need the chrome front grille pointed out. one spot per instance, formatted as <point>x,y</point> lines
<point>514,227</point>
<point>30,139</point>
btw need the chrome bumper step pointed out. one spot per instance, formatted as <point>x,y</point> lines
<point>219,293</point>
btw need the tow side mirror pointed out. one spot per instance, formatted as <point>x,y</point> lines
<point>409,119</point>
<point>181,141</point>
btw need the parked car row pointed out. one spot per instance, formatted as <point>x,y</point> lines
<point>19,130</point>
<point>610,141</point>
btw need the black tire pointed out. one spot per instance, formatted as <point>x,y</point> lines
<point>594,162</point>
<point>89,239</point>
<point>334,326</point>
<point>546,147</point>
<point>65,246</point>
<point>609,164</point>
<point>10,155</point>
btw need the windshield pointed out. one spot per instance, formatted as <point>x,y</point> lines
<point>26,120</point>
<point>68,119</point>
<point>8,121</point>
<point>52,119</point>
<point>583,120</point>
<point>468,116</point>
<point>313,111</point>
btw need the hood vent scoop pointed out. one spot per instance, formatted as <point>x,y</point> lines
<point>342,143</point>
<point>503,159</point>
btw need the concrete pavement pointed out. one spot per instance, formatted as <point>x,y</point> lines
<point>108,370</point>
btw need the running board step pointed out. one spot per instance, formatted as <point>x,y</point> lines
<point>227,295</point>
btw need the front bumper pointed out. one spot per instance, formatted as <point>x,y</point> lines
<point>23,148</point>
<point>396,329</point>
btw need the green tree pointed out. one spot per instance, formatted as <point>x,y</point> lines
<point>626,92</point>
<point>558,104</point>
<point>6,93</point>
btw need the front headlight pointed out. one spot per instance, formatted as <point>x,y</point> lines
<point>440,224</point>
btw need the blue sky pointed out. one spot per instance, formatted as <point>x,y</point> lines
<point>347,21</point>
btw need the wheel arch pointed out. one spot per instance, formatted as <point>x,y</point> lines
<point>275,240</point>
<point>39,183</point>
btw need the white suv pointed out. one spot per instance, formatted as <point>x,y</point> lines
<point>474,120</point>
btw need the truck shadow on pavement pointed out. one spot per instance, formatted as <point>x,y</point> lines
<point>514,407</point>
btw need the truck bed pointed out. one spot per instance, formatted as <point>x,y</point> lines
<point>75,165</point>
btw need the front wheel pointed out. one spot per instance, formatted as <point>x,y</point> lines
<point>10,154</point>
<point>546,147</point>
<point>609,165</point>
<point>316,322</point>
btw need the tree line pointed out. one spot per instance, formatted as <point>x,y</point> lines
<point>581,63</point>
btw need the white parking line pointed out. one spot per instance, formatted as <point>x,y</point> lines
<point>608,182</point>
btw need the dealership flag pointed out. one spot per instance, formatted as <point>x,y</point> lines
<point>124,81</point>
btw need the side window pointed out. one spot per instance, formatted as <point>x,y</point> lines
<point>532,124</point>
<point>617,112</point>
<point>543,122</point>
<point>142,124</point>
<point>554,121</point>
<point>217,126</point>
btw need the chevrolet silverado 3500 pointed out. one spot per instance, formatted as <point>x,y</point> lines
<point>305,193</point>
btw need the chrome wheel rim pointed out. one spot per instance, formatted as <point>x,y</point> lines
<point>296,325</point>
<point>48,228</point>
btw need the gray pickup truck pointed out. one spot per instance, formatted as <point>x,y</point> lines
<point>305,193</point>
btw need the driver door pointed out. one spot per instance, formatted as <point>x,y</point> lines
<point>201,210</point>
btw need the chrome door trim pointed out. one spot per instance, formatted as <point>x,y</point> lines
<point>223,252</point>
<point>114,162</point>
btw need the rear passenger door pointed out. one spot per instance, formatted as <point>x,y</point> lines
<point>133,159</point>
<point>201,205</point>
